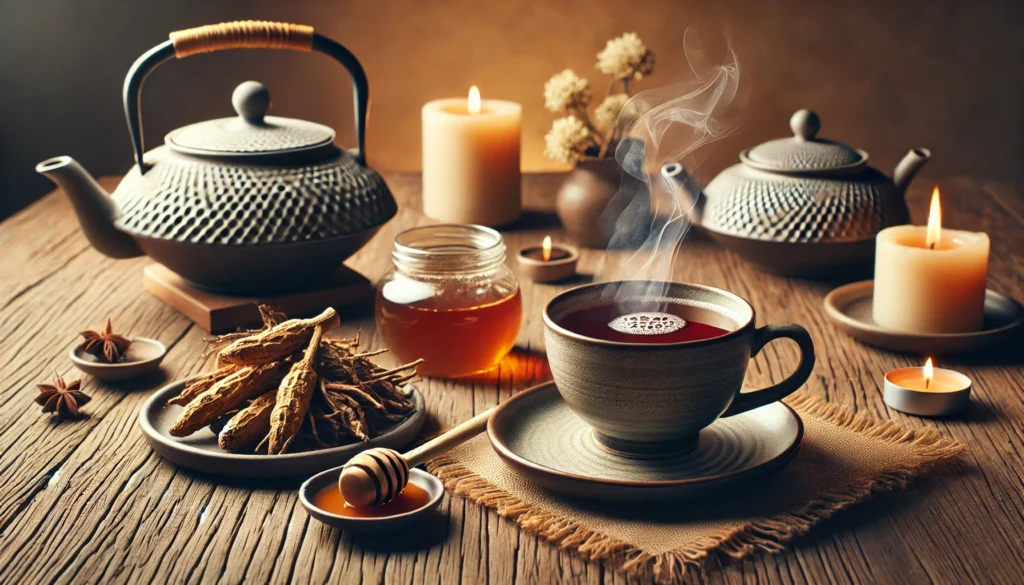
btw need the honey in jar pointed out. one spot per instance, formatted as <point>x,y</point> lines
<point>450,300</point>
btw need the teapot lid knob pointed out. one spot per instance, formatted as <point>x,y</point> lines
<point>251,100</point>
<point>804,123</point>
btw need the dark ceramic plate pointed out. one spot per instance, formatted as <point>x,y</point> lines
<point>850,309</point>
<point>536,434</point>
<point>201,453</point>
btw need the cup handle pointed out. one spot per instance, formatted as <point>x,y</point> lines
<point>751,400</point>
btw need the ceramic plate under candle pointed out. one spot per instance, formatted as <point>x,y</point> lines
<point>417,477</point>
<point>850,308</point>
<point>199,451</point>
<point>536,434</point>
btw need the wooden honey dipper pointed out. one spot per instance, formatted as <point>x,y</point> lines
<point>377,475</point>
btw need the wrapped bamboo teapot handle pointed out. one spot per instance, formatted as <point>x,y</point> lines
<point>377,475</point>
<point>245,34</point>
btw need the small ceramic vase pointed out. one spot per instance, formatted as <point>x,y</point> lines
<point>583,198</point>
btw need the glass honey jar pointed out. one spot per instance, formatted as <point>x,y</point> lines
<point>449,299</point>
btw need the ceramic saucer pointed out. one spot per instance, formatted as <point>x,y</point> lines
<point>199,451</point>
<point>309,489</point>
<point>536,434</point>
<point>850,307</point>
<point>143,356</point>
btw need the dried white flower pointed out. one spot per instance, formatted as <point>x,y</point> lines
<point>565,91</point>
<point>568,140</point>
<point>606,113</point>
<point>626,57</point>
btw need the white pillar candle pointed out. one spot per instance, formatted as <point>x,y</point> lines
<point>930,283</point>
<point>471,160</point>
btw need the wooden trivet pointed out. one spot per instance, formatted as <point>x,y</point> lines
<point>220,313</point>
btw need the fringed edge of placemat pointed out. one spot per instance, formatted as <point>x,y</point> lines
<point>768,535</point>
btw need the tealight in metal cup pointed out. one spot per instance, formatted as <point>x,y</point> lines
<point>951,394</point>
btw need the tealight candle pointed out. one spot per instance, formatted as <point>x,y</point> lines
<point>471,160</point>
<point>548,262</point>
<point>929,279</point>
<point>927,391</point>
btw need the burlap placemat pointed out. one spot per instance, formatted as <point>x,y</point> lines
<point>844,458</point>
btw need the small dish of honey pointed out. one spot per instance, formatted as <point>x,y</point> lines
<point>322,500</point>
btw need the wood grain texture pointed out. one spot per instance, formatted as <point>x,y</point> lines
<point>88,501</point>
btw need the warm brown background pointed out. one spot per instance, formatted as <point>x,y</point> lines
<point>884,75</point>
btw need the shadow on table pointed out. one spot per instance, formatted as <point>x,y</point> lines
<point>151,381</point>
<point>535,219</point>
<point>978,411</point>
<point>247,483</point>
<point>431,530</point>
<point>886,507</point>
<point>574,280</point>
<point>1006,354</point>
<point>775,496</point>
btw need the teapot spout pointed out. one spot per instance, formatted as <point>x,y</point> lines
<point>95,209</point>
<point>686,188</point>
<point>908,167</point>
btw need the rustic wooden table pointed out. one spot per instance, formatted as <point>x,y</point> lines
<point>88,501</point>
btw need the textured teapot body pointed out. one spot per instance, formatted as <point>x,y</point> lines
<point>746,202</point>
<point>194,200</point>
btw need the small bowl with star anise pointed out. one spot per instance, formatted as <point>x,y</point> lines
<point>107,355</point>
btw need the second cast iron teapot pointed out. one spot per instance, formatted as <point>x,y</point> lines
<point>802,205</point>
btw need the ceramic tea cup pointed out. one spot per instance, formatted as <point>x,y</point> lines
<point>652,399</point>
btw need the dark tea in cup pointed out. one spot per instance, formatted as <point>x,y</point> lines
<point>672,323</point>
<point>622,363</point>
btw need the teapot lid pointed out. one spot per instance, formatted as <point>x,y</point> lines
<point>252,132</point>
<point>804,153</point>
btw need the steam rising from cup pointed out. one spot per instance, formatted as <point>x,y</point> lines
<point>660,126</point>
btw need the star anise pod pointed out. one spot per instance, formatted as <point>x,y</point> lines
<point>105,345</point>
<point>62,399</point>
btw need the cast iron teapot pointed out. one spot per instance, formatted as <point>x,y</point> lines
<point>801,205</point>
<point>247,204</point>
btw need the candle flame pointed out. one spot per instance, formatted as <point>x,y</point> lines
<point>929,372</point>
<point>546,249</point>
<point>474,100</point>
<point>934,221</point>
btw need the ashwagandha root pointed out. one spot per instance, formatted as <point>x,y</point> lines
<point>196,385</point>
<point>357,399</point>
<point>268,315</point>
<point>277,342</point>
<point>293,398</point>
<point>366,398</point>
<point>392,372</point>
<point>248,425</point>
<point>348,414</point>
<point>226,395</point>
